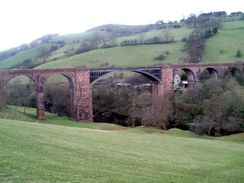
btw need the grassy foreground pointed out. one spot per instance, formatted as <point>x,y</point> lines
<point>29,114</point>
<point>36,152</point>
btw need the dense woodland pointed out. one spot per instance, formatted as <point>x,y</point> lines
<point>213,106</point>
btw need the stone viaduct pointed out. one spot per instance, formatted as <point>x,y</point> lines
<point>81,80</point>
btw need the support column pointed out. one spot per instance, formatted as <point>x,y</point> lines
<point>81,97</point>
<point>165,87</point>
<point>3,86</point>
<point>40,107</point>
<point>157,91</point>
<point>162,96</point>
<point>167,74</point>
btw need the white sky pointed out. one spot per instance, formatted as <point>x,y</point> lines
<point>25,20</point>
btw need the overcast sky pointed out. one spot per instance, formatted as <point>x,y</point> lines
<point>25,20</point>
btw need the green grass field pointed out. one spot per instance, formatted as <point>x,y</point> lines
<point>223,47</point>
<point>67,151</point>
<point>121,56</point>
<point>29,114</point>
<point>19,58</point>
<point>177,33</point>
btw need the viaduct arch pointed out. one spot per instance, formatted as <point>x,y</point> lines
<point>80,81</point>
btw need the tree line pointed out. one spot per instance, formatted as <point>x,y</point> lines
<point>213,107</point>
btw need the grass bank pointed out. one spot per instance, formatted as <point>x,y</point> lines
<point>82,152</point>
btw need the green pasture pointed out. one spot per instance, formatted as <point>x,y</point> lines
<point>141,55</point>
<point>223,46</point>
<point>83,152</point>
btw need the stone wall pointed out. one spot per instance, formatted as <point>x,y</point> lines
<point>80,83</point>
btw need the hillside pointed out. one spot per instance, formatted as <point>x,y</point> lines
<point>36,152</point>
<point>223,47</point>
<point>105,56</point>
<point>120,56</point>
<point>103,47</point>
<point>127,55</point>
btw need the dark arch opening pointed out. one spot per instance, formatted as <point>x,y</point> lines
<point>236,73</point>
<point>58,93</point>
<point>116,96</point>
<point>20,94</point>
<point>190,74</point>
<point>232,72</point>
<point>208,73</point>
<point>183,79</point>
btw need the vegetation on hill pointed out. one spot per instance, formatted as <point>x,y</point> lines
<point>106,45</point>
<point>141,55</point>
<point>224,46</point>
<point>214,107</point>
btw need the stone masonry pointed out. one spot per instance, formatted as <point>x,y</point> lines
<point>80,82</point>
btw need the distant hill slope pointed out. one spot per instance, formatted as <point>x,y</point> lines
<point>19,58</point>
<point>140,55</point>
<point>100,47</point>
<point>65,55</point>
<point>223,47</point>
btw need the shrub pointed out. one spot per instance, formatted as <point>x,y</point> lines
<point>2,98</point>
<point>106,64</point>
<point>120,105</point>
<point>160,57</point>
<point>85,47</point>
<point>167,52</point>
<point>238,53</point>
<point>184,39</point>
<point>131,42</point>
<point>213,107</point>
<point>20,94</point>
<point>221,51</point>
<point>109,45</point>
<point>159,113</point>
<point>153,40</point>
<point>25,64</point>
<point>57,98</point>
<point>194,47</point>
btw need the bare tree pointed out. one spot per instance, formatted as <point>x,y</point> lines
<point>2,97</point>
<point>141,37</point>
<point>167,36</point>
<point>159,113</point>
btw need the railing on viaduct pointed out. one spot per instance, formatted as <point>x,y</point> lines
<point>80,81</point>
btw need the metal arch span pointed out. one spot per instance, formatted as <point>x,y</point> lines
<point>153,73</point>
